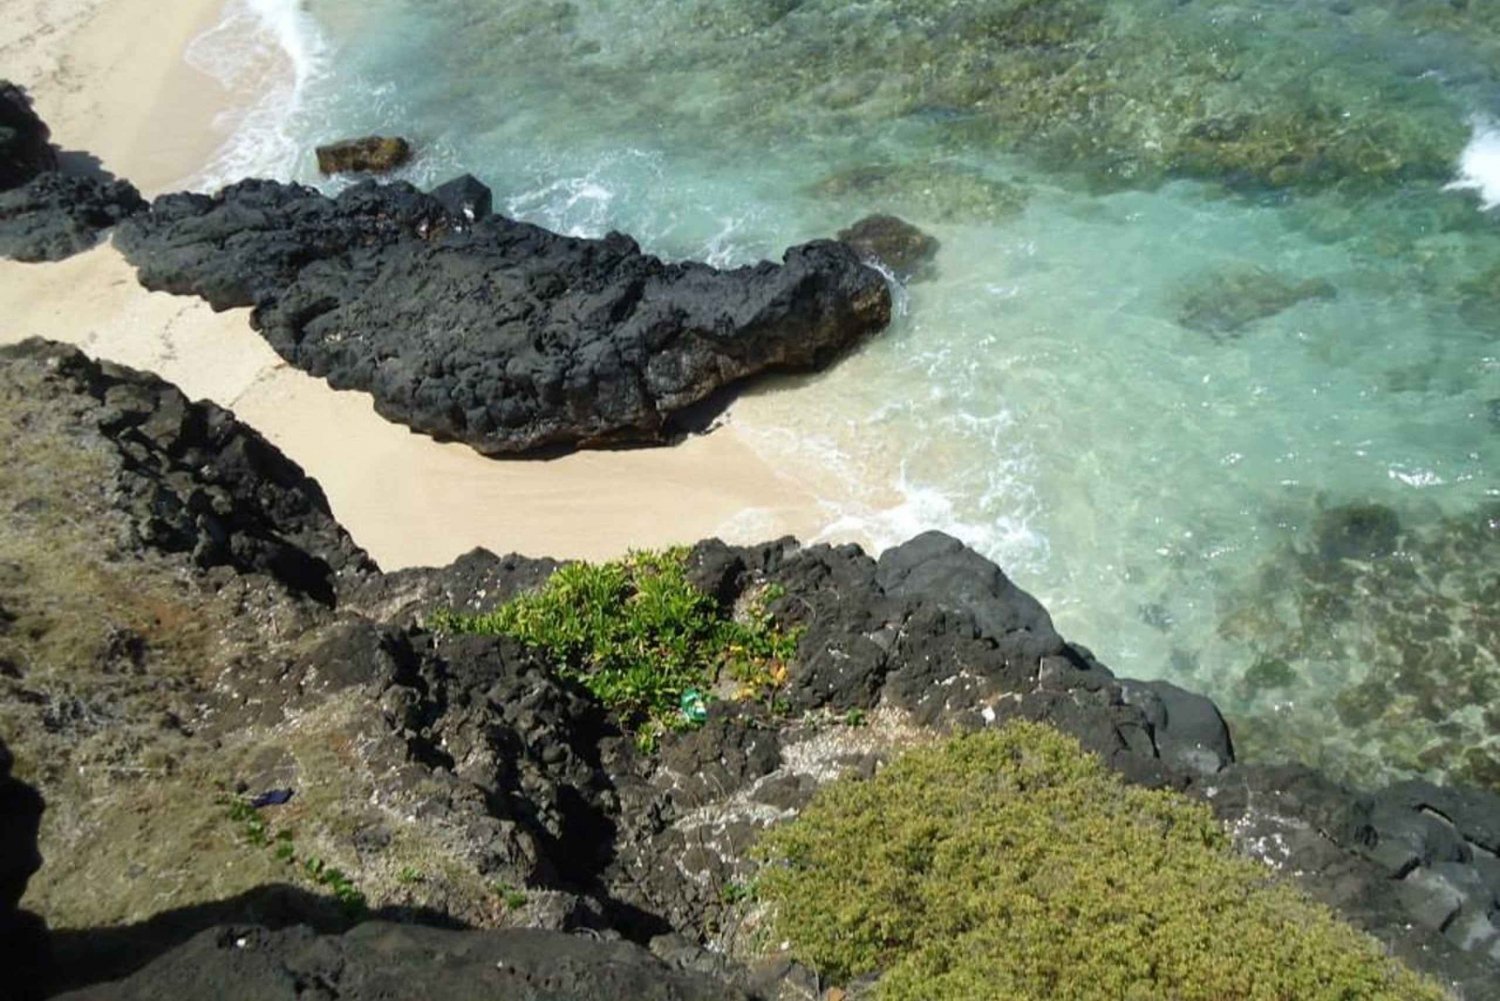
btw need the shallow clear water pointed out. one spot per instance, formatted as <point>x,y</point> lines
<point>1206,281</point>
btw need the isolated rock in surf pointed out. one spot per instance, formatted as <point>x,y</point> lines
<point>368,155</point>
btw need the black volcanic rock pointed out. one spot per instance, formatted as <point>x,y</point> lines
<point>24,147</point>
<point>495,332</point>
<point>194,479</point>
<point>378,960</point>
<point>46,215</point>
<point>56,215</point>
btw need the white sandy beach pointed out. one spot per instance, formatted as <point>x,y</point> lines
<point>109,78</point>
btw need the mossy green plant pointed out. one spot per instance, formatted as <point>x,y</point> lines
<point>638,634</point>
<point>1012,864</point>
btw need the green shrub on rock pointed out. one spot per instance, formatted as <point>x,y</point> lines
<point>1012,864</point>
<point>638,634</point>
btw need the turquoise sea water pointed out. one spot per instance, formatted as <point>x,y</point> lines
<point>1209,357</point>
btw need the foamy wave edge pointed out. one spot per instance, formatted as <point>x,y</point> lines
<point>271,52</point>
<point>1479,164</point>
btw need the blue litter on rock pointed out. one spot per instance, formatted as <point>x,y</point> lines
<point>271,797</point>
<point>694,708</point>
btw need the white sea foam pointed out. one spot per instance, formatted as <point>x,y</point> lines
<point>275,51</point>
<point>1479,166</point>
<point>1009,540</point>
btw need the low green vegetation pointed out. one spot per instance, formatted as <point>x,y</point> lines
<point>257,832</point>
<point>640,636</point>
<point>1012,864</point>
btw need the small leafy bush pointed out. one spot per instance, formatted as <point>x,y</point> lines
<point>1011,864</point>
<point>638,634</point>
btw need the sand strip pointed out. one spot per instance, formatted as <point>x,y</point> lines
<point>108,77</point>
<point>406,498</point>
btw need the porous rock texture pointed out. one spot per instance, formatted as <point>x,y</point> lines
<point>494,332</point>
<point>57,215</point>
<point>47,215</point>
<point>193,479</point>
<point>468,781</point>
<point>25,150</point>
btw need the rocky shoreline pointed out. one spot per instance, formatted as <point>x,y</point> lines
<point>184,624</point>
<point>482,767</point>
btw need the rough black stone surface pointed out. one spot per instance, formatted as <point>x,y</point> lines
<point>46,215</point>
<point>378,961</point>
<point>196,480</point>
<point>24,147</point>
<point>57,215</point>
<point>494,332</point>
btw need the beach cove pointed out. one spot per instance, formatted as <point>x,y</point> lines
<point>412,501</point>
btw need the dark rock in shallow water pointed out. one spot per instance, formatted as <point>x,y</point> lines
<point>1224,302</point>
<point>378,960</point>
<point>370,154</point>
<point>55,215</point>
<point>893,243</point>
<point>195,480</point>
<point>497,333</point>
<point>24,147</point>
<point>1357,531</point>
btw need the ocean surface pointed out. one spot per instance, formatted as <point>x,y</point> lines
<point>1207,360</point>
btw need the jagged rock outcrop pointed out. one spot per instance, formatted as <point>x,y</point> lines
<point>46,215</point>
<point>25,150</point>
<point>192,478</point>
<point>495,332</point>
<point>380,960</point>
<point>57,215</point>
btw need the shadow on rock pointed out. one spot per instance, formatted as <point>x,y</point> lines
<point>96,955</point>
<point>382,960</point>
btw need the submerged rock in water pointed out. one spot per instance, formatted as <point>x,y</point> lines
<point>369,154</point>
<point>1357,531</point>
<point>893,243</point>
<point>24,147</point>
<point>1224,302</point>
<point>939,192</point>
<point>494,332</point>
<point>56,215</point>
